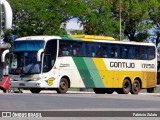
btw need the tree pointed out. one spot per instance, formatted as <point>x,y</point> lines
<point>134,16</point>
<point>154,10</point>
<point>95,17</point>
<point>41,17</point>
<point>98,17</point>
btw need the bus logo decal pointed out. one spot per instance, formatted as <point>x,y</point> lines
<point>50,81</point>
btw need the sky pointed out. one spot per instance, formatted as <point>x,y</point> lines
<point>73,24</point>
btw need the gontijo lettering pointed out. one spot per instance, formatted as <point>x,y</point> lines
<point>122,65</point>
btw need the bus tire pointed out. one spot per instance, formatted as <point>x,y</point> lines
<point>135,87</point>
<point>109,90</point>
<point>150,90</point>
<point>35,90</point>
<point>63,86</point>
<point>126,87</point>
<point>99,90</point>
<point>4,91</point>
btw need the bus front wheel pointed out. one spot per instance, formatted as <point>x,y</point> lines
<point>63,86</point>
<point>135,87</point>
<point>35,90</point>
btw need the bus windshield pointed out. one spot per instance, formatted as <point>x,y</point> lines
<point>33,45</point>
<point>24,63</point>
<point>23,60</point>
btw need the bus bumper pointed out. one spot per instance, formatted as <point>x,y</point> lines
<point>28,84</point>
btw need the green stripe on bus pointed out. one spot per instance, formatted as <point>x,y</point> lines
<point>69,38</point>
<point>94,73</point>
<point>84,73</point>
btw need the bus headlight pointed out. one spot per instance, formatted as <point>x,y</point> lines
<point>35,79</point>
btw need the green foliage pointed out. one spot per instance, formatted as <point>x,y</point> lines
<point>40,17</point>
<point>76,32</point>
<point>98,17</point>
<point>154,10</point>
<point>134,15</point>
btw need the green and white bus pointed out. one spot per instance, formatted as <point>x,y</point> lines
<point>82,61</point>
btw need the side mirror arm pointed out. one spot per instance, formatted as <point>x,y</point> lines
<point>4,55</point>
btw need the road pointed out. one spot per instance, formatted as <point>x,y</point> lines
<point>78,102</point>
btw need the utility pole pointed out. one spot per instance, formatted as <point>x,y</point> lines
<point>120,28</point>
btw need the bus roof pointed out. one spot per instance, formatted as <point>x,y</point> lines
<point>92,37</point>
<point>81,38</point>
<point>43,37</point>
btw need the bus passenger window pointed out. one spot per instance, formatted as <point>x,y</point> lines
<point>76,51</point>
<point>77,48</point>
<point>151,53</point>
<point>98,54</point>
<point>114,53</point>
<point>105,50</point>
<point>105,53</point>
<point>65,52</point>
<point>124,52</point>
<point>93,53</point>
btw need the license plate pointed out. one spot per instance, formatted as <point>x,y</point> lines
<point>21,84</point>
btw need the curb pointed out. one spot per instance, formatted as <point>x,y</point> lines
<point>75,92</point>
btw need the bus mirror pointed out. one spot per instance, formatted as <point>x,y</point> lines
<point>4,55</point>
<point>8,14</point>
<point>39,54</point>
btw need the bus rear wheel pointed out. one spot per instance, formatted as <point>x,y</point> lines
<point>135,87</point>
<point>150,90</point>
<point>35,90</point>
<point>126,87</point>
<point>63,86</point>
<point>99,90</point>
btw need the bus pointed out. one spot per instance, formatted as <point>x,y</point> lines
<point>82,61</point>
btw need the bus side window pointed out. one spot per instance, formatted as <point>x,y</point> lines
<point>65,48</point>
<point>151,53</point>
<point>114,53</point>
<point>84,50</point>
<point>105,52</point>
<point>124,52</point>
<point>77,49</point>
<point>91,50</point>
<point>131,53</point>
<point>65,51</point>
<point>143,51</point>
<point>94,49</point>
